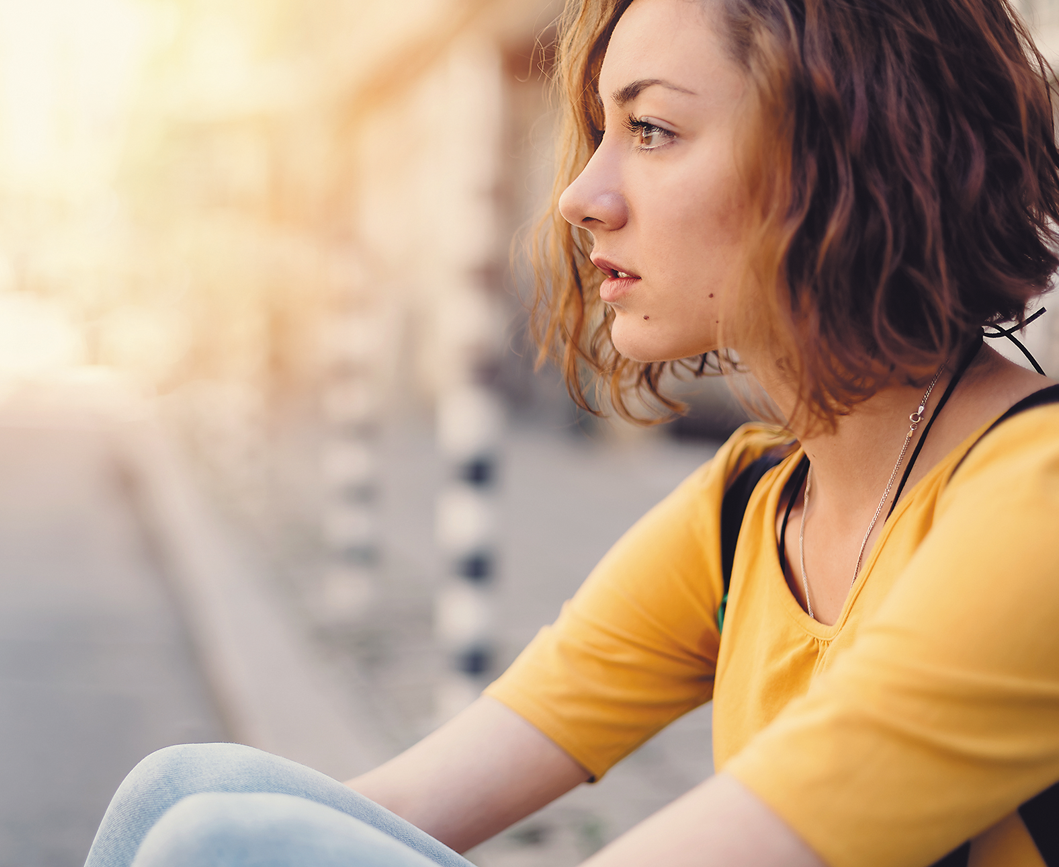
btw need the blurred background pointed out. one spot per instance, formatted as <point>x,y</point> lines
<point>275,466</point>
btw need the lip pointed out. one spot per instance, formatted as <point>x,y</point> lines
<point>614,288</point>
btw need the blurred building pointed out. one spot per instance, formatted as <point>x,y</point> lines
<point>330,186</point>
<point>234,201</point>
<point>284,218</point>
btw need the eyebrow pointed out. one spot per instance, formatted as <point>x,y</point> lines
<point>629,92</point>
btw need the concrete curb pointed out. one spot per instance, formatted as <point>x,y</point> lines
<point>273,688</point>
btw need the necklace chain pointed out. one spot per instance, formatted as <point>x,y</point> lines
<point>914,421</point>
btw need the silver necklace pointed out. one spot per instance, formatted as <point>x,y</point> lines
<point>914,421</point>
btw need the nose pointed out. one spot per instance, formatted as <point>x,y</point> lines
<point>593,200</point>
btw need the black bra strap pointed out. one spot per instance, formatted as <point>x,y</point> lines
<point>795,484</point>
<point>1038,398</point>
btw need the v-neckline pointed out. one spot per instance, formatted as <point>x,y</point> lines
<point>788,470</point>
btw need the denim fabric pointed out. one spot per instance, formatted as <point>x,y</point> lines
<point>231,805</point>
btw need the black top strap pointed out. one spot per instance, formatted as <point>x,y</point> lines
<point>958,857</point>
<point>733,508</point>
<point>1040,815</point>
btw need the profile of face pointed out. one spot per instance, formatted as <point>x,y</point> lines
<point>661,194</point>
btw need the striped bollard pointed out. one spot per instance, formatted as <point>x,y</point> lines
<point>469,425</point>
<point>350,525</point>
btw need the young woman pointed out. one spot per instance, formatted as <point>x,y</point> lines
<point>843,194</point>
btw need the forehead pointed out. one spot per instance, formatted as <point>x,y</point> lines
<point>674,41</point>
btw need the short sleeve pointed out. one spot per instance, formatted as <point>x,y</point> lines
<point>637,645</point>
<point>943,716</point>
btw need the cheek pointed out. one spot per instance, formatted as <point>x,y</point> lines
<point>699,223</point>
<point>691,225</point>
<point>702,250</point>
<point>697,295</point>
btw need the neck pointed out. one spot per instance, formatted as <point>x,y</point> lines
<point>857,457</point>
<point>852,463</point>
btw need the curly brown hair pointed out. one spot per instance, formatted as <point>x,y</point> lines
<point>902,170</point>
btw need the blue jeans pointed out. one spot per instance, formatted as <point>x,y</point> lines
<point>226,805</point>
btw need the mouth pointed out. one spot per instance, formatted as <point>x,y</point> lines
<point>619,283</point>
<point>613,270</point>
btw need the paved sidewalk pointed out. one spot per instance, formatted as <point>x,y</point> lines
<point>96,669</point>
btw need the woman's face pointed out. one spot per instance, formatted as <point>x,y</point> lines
<point>661,196</point>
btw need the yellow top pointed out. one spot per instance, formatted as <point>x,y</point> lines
<point>923,717</point>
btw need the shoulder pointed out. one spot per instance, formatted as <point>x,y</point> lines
<point>1018,446</point>
<point>1004,495</point>
<point>678,541</point>
<point>746,445</point>
<point>704,488</point>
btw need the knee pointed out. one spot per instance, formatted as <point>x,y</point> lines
<point>200,829</point>
<point>173,773</point>
<point>176,771</point>
<point>170,774</point>
<point>183,756</point>
<point>218,828</point>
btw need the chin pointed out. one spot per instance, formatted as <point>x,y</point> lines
<point>636,345</point>
<point>633,347</point>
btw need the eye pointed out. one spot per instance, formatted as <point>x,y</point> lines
<point>650,135</point>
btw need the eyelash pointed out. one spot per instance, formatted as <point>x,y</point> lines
<point>644,128</point>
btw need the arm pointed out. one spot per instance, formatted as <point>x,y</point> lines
<point>487,768</point>
<point>473,777</point>
<point>627,656</point>
<point>719,822</point>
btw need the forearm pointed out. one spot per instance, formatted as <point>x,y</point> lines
<point>473,777</point>
<point>719,823</point>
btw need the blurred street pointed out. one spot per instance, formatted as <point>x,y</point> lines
<point>109,651</point>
